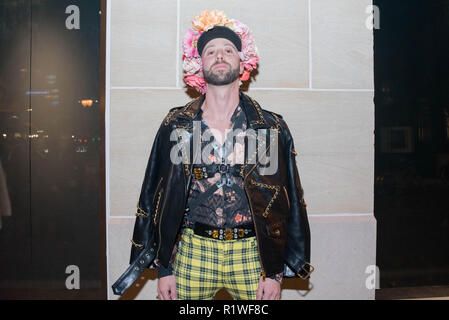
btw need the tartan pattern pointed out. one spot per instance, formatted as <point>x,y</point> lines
<point>203,266</point>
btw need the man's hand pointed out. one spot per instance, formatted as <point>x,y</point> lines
<point>166,288</point>
<point>268,290</point>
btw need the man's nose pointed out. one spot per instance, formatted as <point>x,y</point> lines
<point>219,54</point>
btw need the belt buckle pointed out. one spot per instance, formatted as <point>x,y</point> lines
<point>308,273</point>
<point>198,173</point>
<point>223,168</point>
<point>228,234</point>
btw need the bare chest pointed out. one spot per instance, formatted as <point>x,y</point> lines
<point>218,128</point>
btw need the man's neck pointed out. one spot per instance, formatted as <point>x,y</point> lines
<point>221,101</point>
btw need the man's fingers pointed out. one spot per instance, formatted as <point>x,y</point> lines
<point>165,295</point>
<point>167,288</point>
<point>259,291</point>
<point>273,294</point>
<point>173,293</point>
<point>268,293</point>
<point>159,294</point>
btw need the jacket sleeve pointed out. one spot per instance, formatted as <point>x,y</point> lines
<point>144,229</point>
<point>297,253</point>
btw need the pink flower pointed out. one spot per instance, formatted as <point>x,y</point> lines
<point>238,217</point>
<point>192,61</point>
<point>251,63</point>
<point>192,65</point>
<point>248,44</point>
<point>245,75</point>
<point>197,81</point>
<point>189,43</point>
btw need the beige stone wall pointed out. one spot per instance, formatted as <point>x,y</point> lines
<point>316,69</point>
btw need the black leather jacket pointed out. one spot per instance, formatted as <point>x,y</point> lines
<point>276,201</point>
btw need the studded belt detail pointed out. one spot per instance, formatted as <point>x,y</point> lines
<point>239,232</point>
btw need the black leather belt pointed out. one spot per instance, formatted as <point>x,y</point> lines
<point>238,232</point>
<point>205,171</point>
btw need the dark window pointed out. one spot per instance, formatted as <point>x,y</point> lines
<point>52,219</point>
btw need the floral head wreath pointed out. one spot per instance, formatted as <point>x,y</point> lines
<point>193,71</point>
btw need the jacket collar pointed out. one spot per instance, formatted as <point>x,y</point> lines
<point>253,111</point>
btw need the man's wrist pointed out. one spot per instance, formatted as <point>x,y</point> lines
<point>278,277</point>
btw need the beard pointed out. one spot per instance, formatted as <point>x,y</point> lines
<point>221,79</point>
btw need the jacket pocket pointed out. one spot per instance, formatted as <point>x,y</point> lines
<point>270,195</point>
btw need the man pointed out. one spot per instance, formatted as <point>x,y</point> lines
<point>220,219</point>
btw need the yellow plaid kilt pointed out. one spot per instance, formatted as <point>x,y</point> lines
<point>203,266</point>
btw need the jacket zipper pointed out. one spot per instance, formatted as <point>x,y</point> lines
<point>156,211</point>
<point>157,188</point>
<point>162,209</point>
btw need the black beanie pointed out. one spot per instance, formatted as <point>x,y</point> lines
<point>218,32</point>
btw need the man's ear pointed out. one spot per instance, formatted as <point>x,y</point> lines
<point>242,68</point>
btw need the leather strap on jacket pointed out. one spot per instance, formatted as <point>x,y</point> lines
<point>203,172</point>
<point>207,171</point>
<point>132,272</point>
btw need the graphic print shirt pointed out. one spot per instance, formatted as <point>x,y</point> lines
<point>228,206</point>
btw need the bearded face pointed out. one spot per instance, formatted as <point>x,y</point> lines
<point>221,62</point>
<point>221,76</point>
